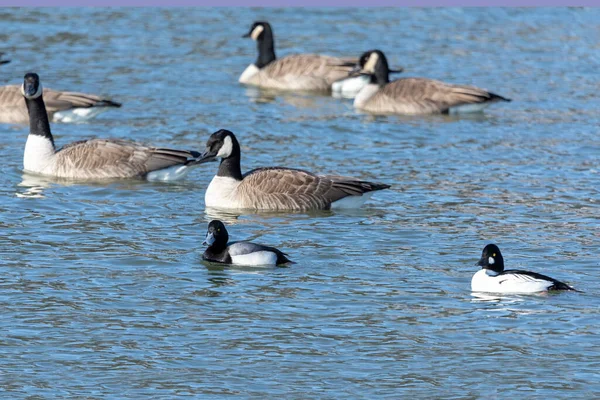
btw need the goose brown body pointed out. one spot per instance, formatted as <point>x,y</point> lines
<point>114,158</point>
<point>275,188</point>
<point>94,158</point>
<point>414,96</point>
<point>301,72</point>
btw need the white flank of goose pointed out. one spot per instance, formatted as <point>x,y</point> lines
<point>414,96</point>
<point>276,188</point>
<point>94,159</point>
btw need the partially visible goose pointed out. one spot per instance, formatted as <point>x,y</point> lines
<point>276,188</point>
<point>414,96</point>
<point>93,158</point>
<point>493,278</point>
<point>238,253</point>
<point>60,106</point>
<point>310,72</point>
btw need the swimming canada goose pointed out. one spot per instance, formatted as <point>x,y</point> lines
<point>61,106</point>
<point>414,96</point>
<point>310,72</point>
<point>238,253</point>
<point>493,278</point>
<point>93,158</point>
<point>276,188</point>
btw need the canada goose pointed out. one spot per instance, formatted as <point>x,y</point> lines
<point>276,188</point>
<point>493,278</point>
<point>238,253</point>
<point>61,106</point>
<point>414,96</point>
<point>93,158</point>
<point>310,72</point>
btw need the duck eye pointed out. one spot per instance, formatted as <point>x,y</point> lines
<point>218,229</point>
<point>494,255</point>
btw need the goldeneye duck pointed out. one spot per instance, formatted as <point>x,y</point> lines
<point>238,253</point>
<point>493,278</point>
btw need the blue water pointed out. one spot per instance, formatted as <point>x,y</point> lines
<point>102,288</point>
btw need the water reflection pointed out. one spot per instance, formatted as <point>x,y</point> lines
<point>34,184</point>
<point>232,216</point>
<point>494,298</point>
<point>298,99</point>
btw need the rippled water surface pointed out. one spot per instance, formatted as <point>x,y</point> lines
<point>102,287</point>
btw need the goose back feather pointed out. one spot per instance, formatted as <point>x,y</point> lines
<point>275,188</point>
<point>115,158</point>
<point>14,111</point>
<point>413,96</point>
<point>302,72</point>
<point>93,158</point>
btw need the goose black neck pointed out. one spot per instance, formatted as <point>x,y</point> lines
<point>38,118</point>
<point>381,76</point>
<point>230,167</point>
<point>266,48</point>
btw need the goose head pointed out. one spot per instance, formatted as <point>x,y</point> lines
<point>32,88</point>
<point>221,144</point>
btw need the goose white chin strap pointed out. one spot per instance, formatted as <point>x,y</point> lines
<point>35,95</point>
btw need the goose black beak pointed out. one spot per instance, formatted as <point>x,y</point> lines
<point>207,156</point>
<point>247,35</point>
<point>396,71</point>
<point>357,71</point>
<point>29,88</point>
<point>345,64</point>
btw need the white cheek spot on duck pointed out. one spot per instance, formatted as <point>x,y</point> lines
<point>491,261</point>
<point>256,32</point>
<point>371,63</point>
<point>226,149</point>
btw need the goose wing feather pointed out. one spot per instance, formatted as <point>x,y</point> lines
<point>57,101</point>
<point>425,96</point>
<point>14,110</point>
<point>110,158</point>
<point>287,188</point>
<point>307,71</point>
